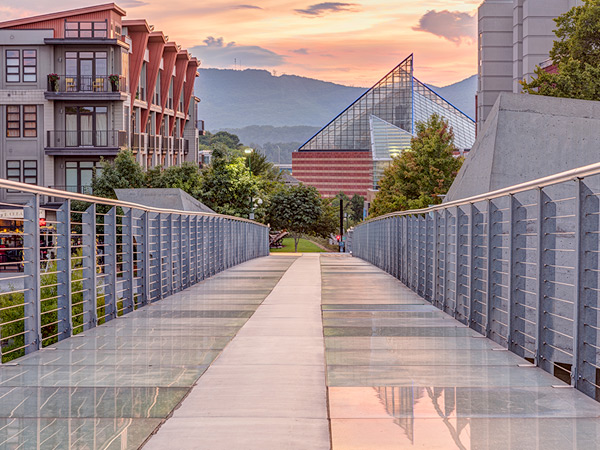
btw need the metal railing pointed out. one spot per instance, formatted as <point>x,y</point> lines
<point>87,83</point>
<point>82,138</point>
<point>70,266</point>
<point>520,265</point>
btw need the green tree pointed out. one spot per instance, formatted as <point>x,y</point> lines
<point>187,177</point>
<point>419,176</point>
<point>227,186</point>
<point>222,137</point>
<point>357,205</point>
<point>123,172</point>
<point>297,209</point>
<point>260,166</point>
<point>576,54</point>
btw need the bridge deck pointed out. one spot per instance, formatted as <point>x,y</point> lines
<point>380,369</point>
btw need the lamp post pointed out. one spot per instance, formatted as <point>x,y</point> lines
<point>248,151</point>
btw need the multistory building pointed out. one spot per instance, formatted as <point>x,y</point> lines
<point>80,85</point>
<point>515,36</point>
<point>351,152</point>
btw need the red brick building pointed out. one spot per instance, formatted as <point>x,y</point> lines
<point>335,172</point>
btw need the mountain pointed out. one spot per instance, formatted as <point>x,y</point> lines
<point>461,94</point>
<point>238,98</point>
<point>277,110</point>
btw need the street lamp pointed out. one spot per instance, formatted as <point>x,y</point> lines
<point>248,151</point>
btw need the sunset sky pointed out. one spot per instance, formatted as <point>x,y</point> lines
<point>351,42</point>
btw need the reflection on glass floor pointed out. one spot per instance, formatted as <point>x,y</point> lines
<point>401,375</point>
<point>112,386</point>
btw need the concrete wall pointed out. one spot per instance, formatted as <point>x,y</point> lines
<point>528,137</point>
<point>515,36</point>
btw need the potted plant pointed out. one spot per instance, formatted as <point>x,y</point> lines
<point>53,82</point>
<point>114,82</point>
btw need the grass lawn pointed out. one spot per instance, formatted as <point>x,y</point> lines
<point>304,246</point>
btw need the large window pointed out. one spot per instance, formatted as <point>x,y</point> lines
<point>94,30</point>
<point>13,121</point>
<point>29,66</point>
<point>13,66</point>
<point>86,71</point>
<point>79,174</point>
<point>22,171</point>
<point>86,126</point>
<point>21,65</point>
<point>18,124</point>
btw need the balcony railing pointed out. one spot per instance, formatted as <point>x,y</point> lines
<point>178,144</point>
<point>87,83</point>
<point>186,147</point>
<point>80,138</point>
<point>74,188</point>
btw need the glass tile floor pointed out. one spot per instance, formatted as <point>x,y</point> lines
<point>401,374</point>
<point>112,386</point>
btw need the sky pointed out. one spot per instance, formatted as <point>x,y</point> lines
<point>349,42</point>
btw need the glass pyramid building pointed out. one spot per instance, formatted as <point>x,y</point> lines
<point>382,121</point>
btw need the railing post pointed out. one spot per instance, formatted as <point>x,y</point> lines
<point>109,260</point>
<point>472,213</point>
<point>458,239</point>
<point>540,279</point>
<point>445,285</point>
<point>426,258</point>
<point>435,260</point>
<point>89,261</point>
<point>169,251</point>
<point>488,318</point>
<point>579,300</point>
<point>511,273</point>
<point>63,267</point>
<point>145,261</point>
<point>31,261</point>
<point>193,255</point>
<point>129,259</point>
<point>160,248</point>
<point>179,268</point>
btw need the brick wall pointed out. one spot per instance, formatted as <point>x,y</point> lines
<point>334,172</point>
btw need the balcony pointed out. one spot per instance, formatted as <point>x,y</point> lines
<point>186,147</point>
<point>85,87</point>
<point>178,145</point>
<point>106,142</point>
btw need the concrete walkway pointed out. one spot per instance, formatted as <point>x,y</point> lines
<point>267,389</point>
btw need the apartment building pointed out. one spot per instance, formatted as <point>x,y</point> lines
<point>80,85</point>
<point>515,36</point>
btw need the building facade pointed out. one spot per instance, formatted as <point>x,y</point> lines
<point>351,152</point>
<point>81,85</point>
<point>515,36</point>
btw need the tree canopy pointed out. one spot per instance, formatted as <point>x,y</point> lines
<point>297,209</point>
<point>419,177</point>
<point>123,172</point>
<point>576,54</point>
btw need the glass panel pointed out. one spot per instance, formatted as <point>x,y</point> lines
<point>86,177</point>
<point>71,177</point>
<point>12,53</point>
<point>30,164</point>
<point>12,62</point>
<point>86,120</point>
<point>85,25</point>
<point>86,55</point>
<point>101,127</point>
<point>71,139</point>
<point>13,164</point>
<point>71,25</point>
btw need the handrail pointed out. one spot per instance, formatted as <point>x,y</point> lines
<point>33,189</point>
<point>561,177</point>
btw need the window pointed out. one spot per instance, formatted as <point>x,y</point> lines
<point>29,174</point>
<point>14,69</point>
<point>29,66</point>
<point>79,175</point>
<point>13,170</point>
<point>13,121</point>
<point>29,121</point>
<point>97,30</point>
<point>13,66</point>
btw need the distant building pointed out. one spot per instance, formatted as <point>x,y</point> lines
<point>350,153</point>
<point>83,84</point>
<point>515,36</point>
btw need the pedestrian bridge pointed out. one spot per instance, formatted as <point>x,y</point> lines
<point>127,327</point>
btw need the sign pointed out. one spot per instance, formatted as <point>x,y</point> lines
<point>16,214</point>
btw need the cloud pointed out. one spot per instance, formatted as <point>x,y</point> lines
<point>217,53</point>
<point>300,51</point>
<point>246,7</point>
<point>132,3</point>
<point>454,26</point>
<point>320,9</point>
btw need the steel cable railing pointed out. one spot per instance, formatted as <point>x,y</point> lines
<point>520,265</point>
<point>69,262</point>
